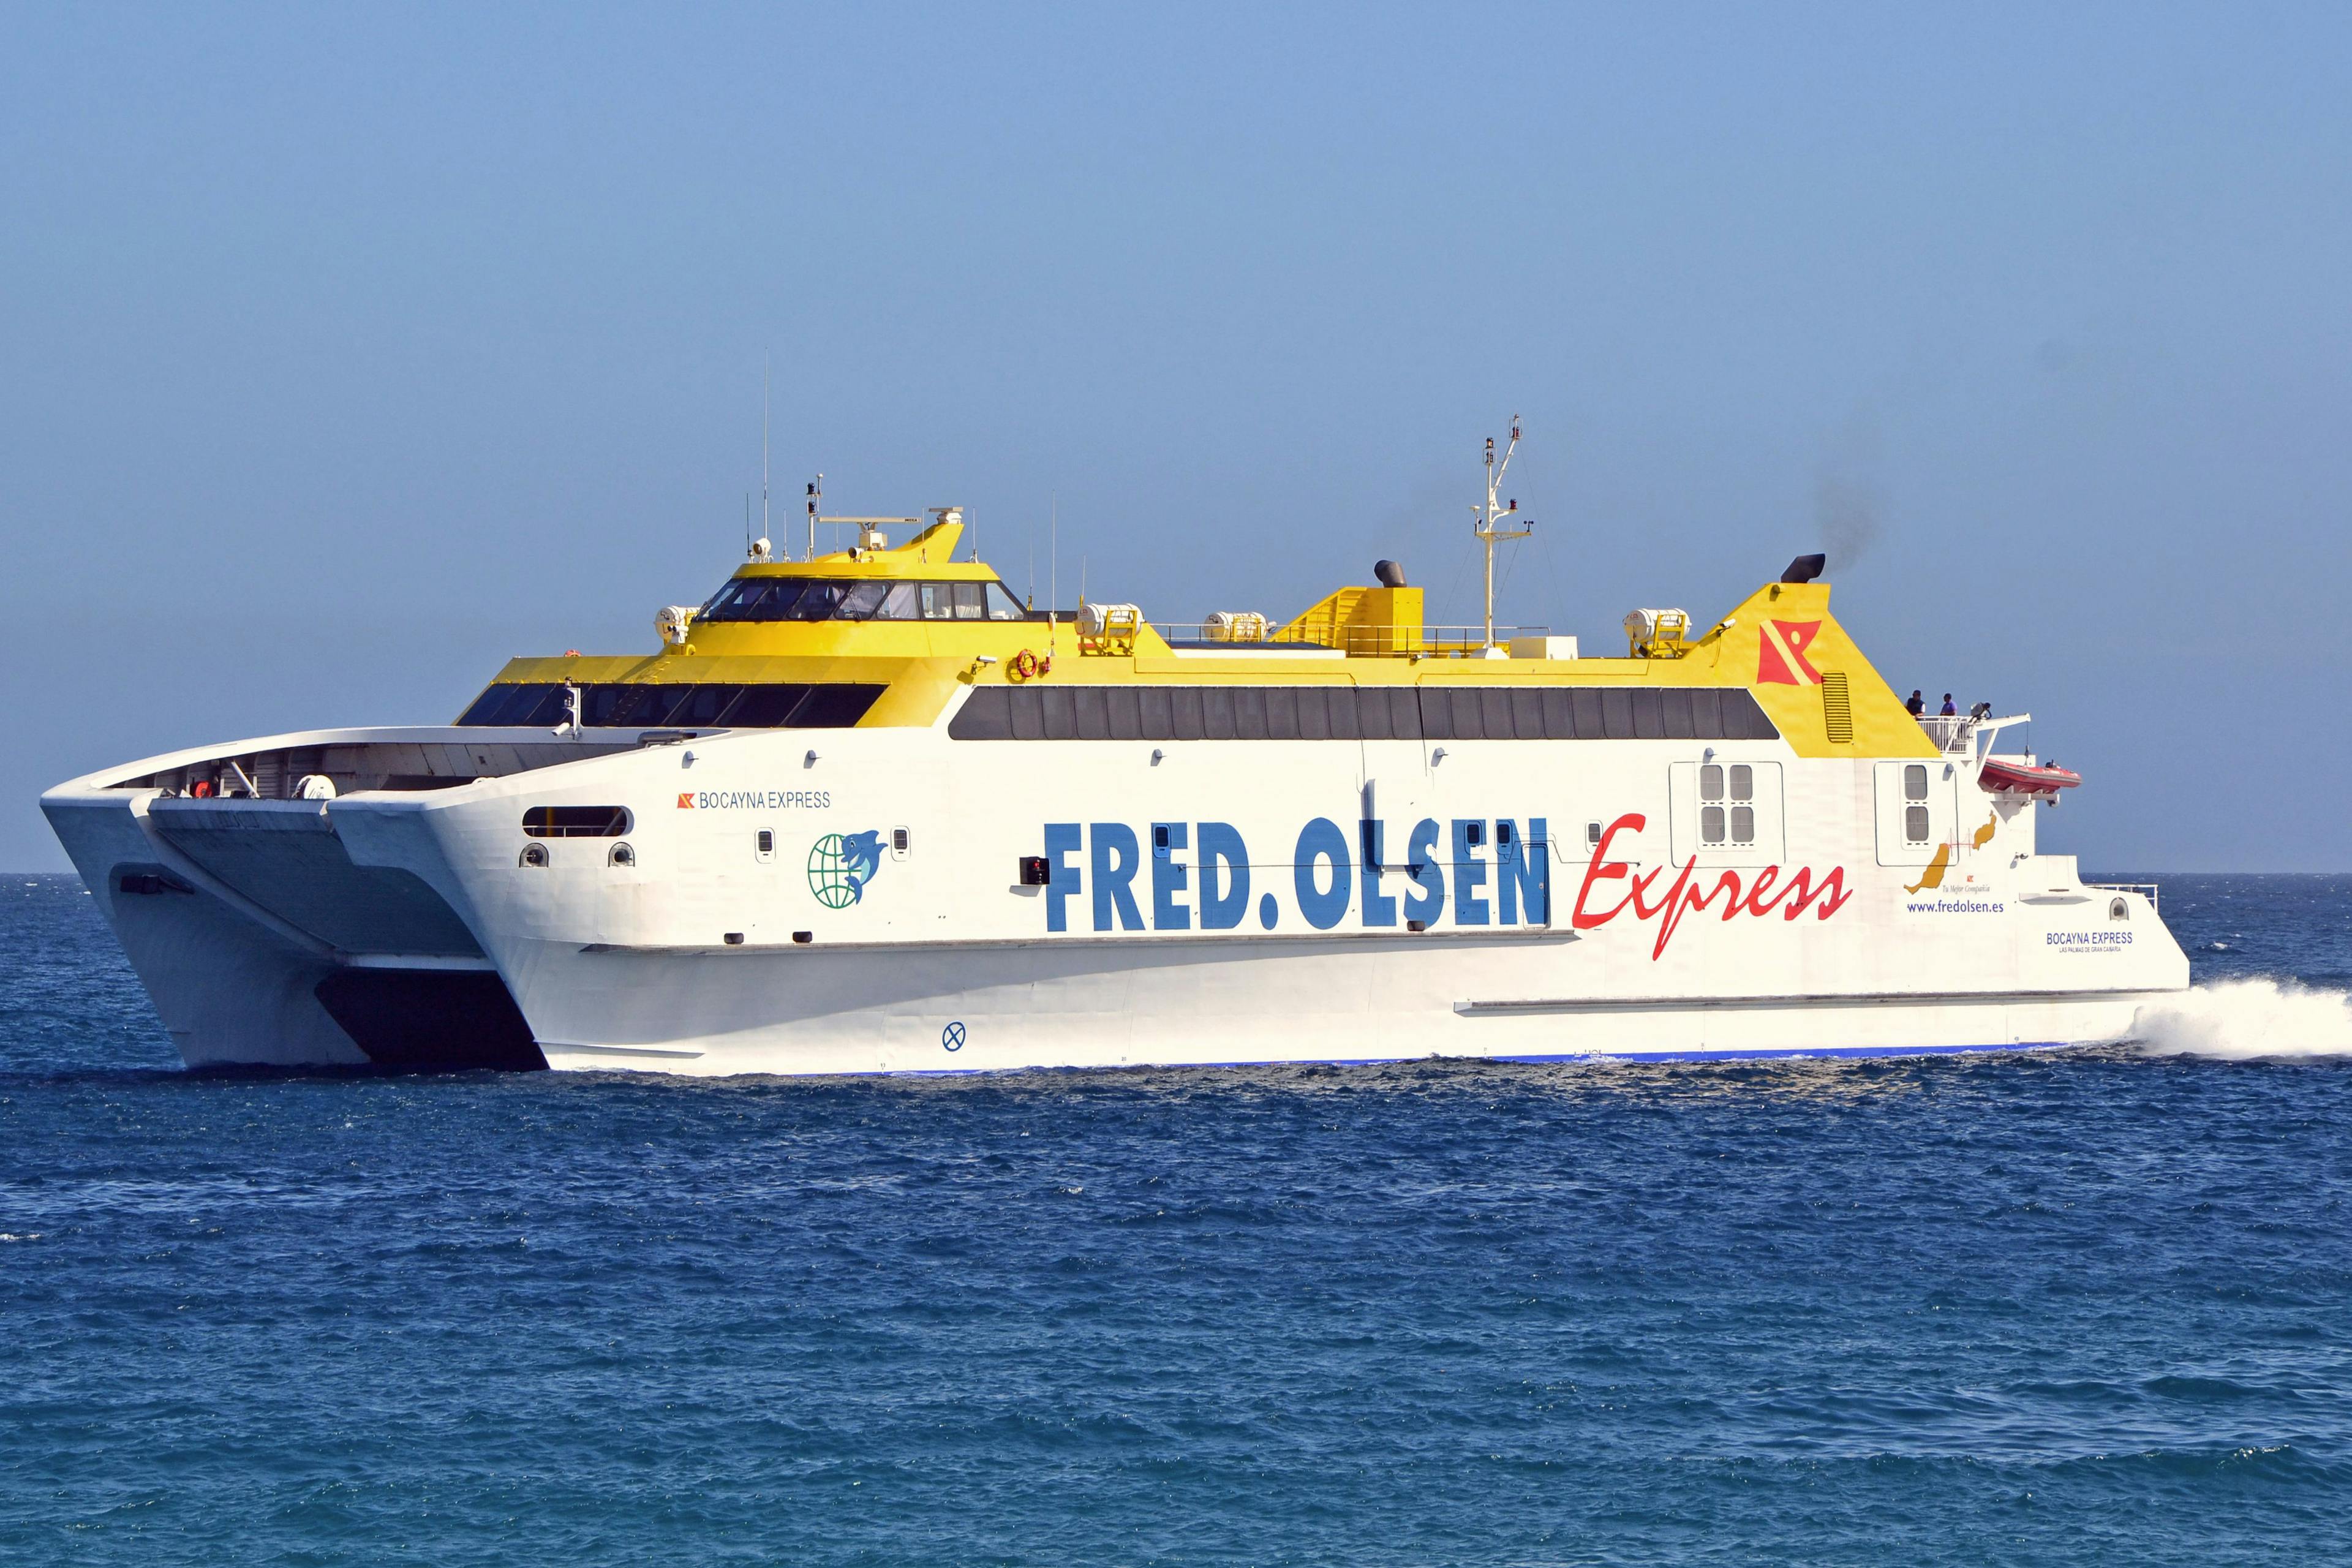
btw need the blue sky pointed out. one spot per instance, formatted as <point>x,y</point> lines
<point>345,352</point>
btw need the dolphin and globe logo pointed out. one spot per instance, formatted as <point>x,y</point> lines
<point>841,864</point>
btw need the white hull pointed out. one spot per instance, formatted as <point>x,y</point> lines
<point>290,932</point>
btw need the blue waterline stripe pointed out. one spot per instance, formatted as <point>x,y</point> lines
<point>1794,1053</point>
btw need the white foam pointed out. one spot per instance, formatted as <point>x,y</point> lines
<point>2251,1017</point>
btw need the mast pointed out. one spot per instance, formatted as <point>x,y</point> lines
<point>763,448</point>
<point>1493,512</point>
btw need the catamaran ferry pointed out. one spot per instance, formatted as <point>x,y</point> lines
<point>868,811</point>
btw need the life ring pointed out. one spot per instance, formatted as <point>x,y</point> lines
<point>1025,666</point>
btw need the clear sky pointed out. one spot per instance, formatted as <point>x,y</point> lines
<point>345,352</point>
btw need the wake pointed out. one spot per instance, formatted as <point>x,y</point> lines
<point>2248,1018</point>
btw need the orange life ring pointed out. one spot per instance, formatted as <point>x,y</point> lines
<point>1025,666</point>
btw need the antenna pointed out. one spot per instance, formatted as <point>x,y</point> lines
<point>815,496</point>
<point>1054,567</point>
<point>763,445</point>
<point>1493,512</point>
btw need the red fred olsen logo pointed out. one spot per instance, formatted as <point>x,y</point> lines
<point>1781,653</point>
<point>686,800</point>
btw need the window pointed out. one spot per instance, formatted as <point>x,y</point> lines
<point>860,599</point>
<point>1592,835</point>
<point>1438,711</point>
<point>633,705</point>
<point>1914,782</point>
<point>1728,811</point>
<point>577,821</point>
<point>763,844</point>
<point>1914,817</point>
<point>863,600</point>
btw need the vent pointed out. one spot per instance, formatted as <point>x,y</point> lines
<point>1837,709</point>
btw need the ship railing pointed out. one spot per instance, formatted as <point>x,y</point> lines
<point>2144,889</point>
<point>1357,641</point>
<point>1952,732</point>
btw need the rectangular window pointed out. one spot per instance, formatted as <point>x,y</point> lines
<point>1915,824</point>
<point>1743,825</point>
<point>765,707</point>
<point>1249,713</point>
<point>1157,715</point>
<point>1343,705</point>
<point>1914,782</point>
<point>1528,713</point>
<point>1743,782</point>
<point>1281,712</point>
<point>968,605</point>
<point>702,706</point>
<point>1710,783</point>
<point>1710,825</point>
<point>1061,713</point>
<point>1216,712</point>
<point>862,601</point>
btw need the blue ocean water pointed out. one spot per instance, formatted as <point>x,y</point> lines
<point>2093,1306</point>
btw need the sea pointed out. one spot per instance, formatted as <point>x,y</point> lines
<point>2090,1305</point>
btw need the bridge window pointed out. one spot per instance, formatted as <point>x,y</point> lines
<point>860,599</point>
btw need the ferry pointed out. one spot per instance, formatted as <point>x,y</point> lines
<point>867,810</point>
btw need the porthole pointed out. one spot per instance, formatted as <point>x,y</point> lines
<point>533,855</point>
<point>622,855</point>
<point>2119,908</point>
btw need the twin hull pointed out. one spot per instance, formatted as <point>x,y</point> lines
<point>861,901</point>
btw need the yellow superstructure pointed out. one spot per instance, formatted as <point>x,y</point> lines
<point>1781,644</point>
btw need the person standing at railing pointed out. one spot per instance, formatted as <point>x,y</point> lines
<point>1950,711</point>
<point>1918,705</point>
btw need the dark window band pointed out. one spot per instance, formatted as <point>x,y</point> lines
<point>869,599</point>
<point>613,705</point>
<point>1360,713</point>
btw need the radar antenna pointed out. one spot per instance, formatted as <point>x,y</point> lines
<point>1491,514</point>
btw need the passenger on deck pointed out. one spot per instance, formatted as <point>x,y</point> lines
<point>1949,710</point>
<point>1918,705</point>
